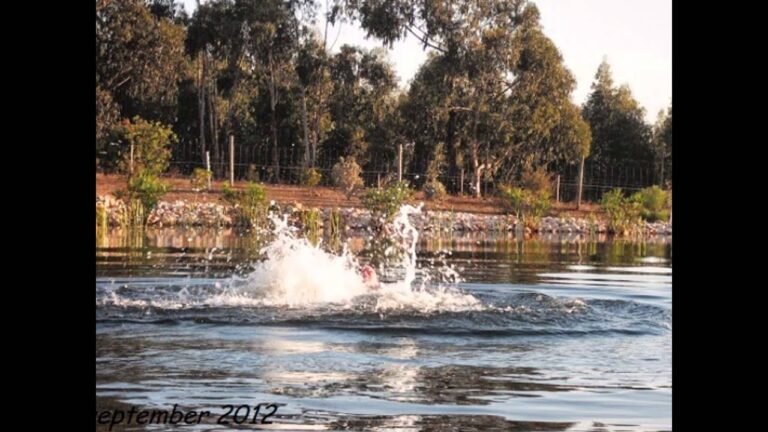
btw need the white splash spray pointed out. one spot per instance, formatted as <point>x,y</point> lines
<point>298,274</point>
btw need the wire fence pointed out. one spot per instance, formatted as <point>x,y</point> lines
<point>598,177</point>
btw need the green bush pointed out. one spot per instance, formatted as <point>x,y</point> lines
<point>311,177</point>
<point>434,190</point>
<point>253,173</point>
<point>310,222</point>
<point>384,203</point>
<point>655,203</point>
<point>148,189</point>
<point>200,179</point>
<point>537,180</point>
<point>102,217</point>
<point>141,196</point>
<point>515,199</point>
<point>346,175</point>
<point>255,195</point>
<point>151,142</point>
<point>623,213</point>
<point>251,203</point>
<point>527,206</point>
<point>230,195</point>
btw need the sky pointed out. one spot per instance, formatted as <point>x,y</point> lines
<point>634,36</point>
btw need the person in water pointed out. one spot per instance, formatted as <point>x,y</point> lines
<point>370,278</point>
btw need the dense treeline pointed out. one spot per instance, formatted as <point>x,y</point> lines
<point>492,100</point>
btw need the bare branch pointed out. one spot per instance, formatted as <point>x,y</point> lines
<point>425,41</point>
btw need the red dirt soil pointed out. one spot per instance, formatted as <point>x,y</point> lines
<point>181,189</point>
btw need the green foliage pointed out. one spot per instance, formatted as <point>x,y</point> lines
<point>516,198</point>
<point>384,203</point>
<point>335,224</point>
<point>101,217</point>
<point>661,144</point>
<point>253,174</point>
<point>310,221</point>
<point>616,120</point>
<point>492,99</point>
<point>152,142</point>
<point>230,195</point>
<point>311,177</point>
<point>437,163</point>
<point>361,106</point>
<point>148,189</point>
<point>537,180</point>
<point>623,213</point>
<point>139,59</point>
<point>251,204</point>
<point>200,178</point>
<point>655,203</point>
<point>495,93</point>
<point>346,175</point>
<point>434,190</point>
<point>141,196</point>
<point>107,114</point>
<point>528,206</point>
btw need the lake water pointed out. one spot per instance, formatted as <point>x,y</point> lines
<point>550,333</point>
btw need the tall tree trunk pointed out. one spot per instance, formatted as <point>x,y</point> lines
<point>580,187</point>
<point>273,108</point>
<point>201,103</point>
<point>453,154</point>
<point>305,121</point>
<point>214,130</point>
<point>316,126</point>
<point>477,168</point>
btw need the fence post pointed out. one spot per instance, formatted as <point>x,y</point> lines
<point>461,181</point>
<point>131,166</point>
<point>208,167</point>
<point>232,161</point>
<point>400,162</point>
<point>557,190</point>
<point>581,184</point>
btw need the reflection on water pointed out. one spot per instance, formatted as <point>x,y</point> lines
<point>573,334</point>
<point>189,250</point>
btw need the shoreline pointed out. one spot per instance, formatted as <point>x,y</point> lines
<point>184,213</point>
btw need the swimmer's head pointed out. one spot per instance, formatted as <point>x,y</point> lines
<point>368,273</point>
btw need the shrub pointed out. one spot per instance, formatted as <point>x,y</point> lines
<point>623,213</point>
<point>346,175</point>
<point>384,203</point>
<point>200,179</point>
<point>141,196</point>
<point>148,189</point>
<point>151,142</point>
<point>528,206</point>
<point>311,177</point>
<point>537,180</point>
<point>433,189</point>
<point>655,203</point>
<point>251,203</point>
<point>253,173</point>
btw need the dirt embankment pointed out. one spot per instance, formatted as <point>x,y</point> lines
<point>325,197</point>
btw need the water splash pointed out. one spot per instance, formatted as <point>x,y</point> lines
<point>299,274</point>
